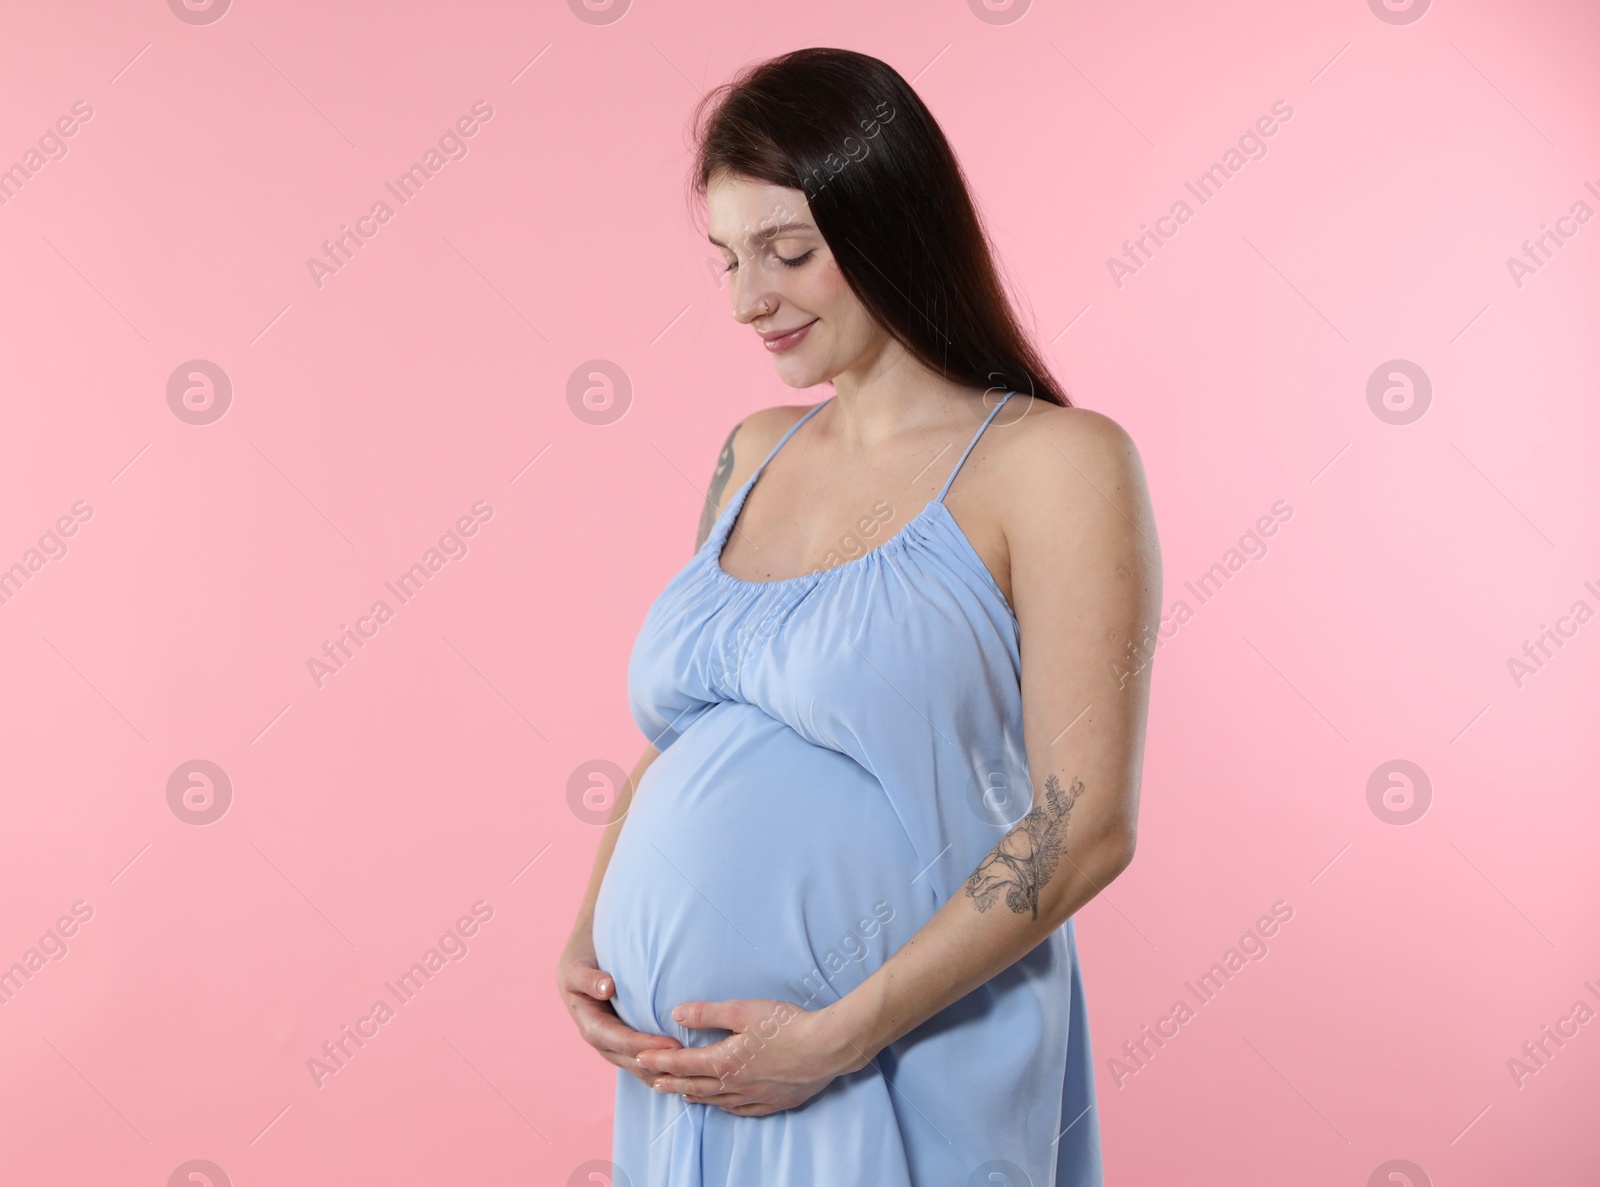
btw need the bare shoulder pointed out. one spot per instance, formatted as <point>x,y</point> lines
<point>1077,522</point>
<point>1067,471</point>
<point>747,442</point>
<point>1046,429</point>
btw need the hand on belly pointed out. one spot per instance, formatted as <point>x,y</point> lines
<point>754,870</point>
<point>776,1057</point>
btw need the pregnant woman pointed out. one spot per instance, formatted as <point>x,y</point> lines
<point>895,701</point>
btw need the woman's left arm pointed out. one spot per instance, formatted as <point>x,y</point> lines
<point>1086,588</point>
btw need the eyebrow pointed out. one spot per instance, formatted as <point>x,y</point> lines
<point>770,232</point>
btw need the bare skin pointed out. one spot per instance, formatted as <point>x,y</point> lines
<point>1055,505</point>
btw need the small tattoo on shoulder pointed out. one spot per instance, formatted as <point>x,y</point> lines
<point>719,483</point>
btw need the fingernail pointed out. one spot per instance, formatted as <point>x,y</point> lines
<point>605,986</point>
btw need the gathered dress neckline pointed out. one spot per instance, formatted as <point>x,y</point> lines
<point>934,508</point>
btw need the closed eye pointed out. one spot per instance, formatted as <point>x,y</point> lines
<point>784,260</point>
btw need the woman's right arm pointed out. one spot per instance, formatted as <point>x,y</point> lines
<point>586,989</point>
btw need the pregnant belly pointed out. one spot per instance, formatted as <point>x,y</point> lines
<point>752,864</point>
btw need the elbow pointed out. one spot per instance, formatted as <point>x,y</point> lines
<point>1129,844</point>
<point>1096,864</point>
<point>1116,851</point>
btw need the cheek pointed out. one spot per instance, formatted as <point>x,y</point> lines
<point>829,290</point>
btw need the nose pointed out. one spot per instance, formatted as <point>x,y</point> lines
<point>748,304</point>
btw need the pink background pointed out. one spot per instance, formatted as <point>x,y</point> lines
<point>209,562</point>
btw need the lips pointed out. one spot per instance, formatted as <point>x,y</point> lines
<point>787,339</point>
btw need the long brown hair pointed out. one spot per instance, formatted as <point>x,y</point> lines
<point>889,197</point>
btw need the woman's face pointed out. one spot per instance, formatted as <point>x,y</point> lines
<point>782,278</point>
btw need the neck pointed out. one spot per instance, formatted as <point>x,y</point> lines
<point>867,410</point>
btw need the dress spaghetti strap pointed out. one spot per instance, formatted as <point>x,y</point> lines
<point>756,473</point>
<point>939,498</point>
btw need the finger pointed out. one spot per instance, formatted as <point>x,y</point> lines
<point>576,975</point>
<point>724,1102</point>
<point>685,1061</point>
<point>589,981</point>
<point>643,1075</point>
<point>726,1015</point>
<point>730,1102</point>
<point>698,1086</point>
<point>648,1079</point>
<point>601,1027</point>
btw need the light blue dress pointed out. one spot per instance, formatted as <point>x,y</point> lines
<point>839,751</point>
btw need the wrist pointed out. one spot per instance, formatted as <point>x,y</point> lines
<point>581,940</point>
<point>850,1025</point>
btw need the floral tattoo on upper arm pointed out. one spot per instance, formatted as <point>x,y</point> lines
<point>1027,856</point>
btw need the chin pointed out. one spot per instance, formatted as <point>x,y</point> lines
<point>800,373</point>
